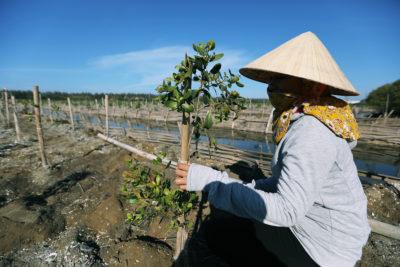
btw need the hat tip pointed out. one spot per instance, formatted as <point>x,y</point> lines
<point>309,33</point>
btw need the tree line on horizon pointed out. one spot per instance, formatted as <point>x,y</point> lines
<point>383,98</point>
<point>84,96</point>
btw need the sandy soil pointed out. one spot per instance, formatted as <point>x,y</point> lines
<point>71,214</point>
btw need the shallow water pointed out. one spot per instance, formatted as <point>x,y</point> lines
<point>254,142</point>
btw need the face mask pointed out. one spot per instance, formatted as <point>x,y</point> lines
<point>281,101</point>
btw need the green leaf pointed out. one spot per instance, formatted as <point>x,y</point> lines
<point>206,97</point>
<point>195,48</point>
<point>199,48</point>
<point>213,142</point>
<point>132,201</point>
<point>211,45</point>
<point>188,95</point>
<point>208,121</point>
<point>235,94</point>
<point>187,107</point>
<point>158,179</point>
<point>218,56</point>
<point>166,191</point>
<point>239,84</point>
<point>171,104</point>
<point>216,68</point>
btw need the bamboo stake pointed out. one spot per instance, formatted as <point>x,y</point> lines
<point>3,118</point>
<point>71,116</point>
<point>113,110</point>
<point>386,106</point>
<point>39,130</point>
<point>16,124</point>
<point>166,116</point>
<point>384,229</point>
<point>97,107</point>
<point>106,105</point>
<point>6,106</point>
<point>181,235</point>
<point>135,150</point>
<point>233,124</point>
<point>50,110</point>
<point>40,102</point>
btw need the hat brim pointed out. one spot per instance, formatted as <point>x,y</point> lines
<point>266,76</point>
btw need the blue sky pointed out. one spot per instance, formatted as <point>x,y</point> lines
<point>130,46</point>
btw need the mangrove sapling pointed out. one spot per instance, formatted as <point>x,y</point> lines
<point>152,194</point>
<point>201,93</point>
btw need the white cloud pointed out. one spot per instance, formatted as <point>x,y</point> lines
<point>158,57</point>
<point>149,67</point>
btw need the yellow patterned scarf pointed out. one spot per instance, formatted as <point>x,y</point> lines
<point>335,113</point>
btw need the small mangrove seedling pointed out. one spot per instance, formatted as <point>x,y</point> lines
<point>202,93</point>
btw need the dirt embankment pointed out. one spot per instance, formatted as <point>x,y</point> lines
<point>71,214</point>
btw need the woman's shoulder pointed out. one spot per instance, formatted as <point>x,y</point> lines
<point>310,124</point>
<point>308,129</point>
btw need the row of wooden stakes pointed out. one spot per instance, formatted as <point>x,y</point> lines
<point>37,110</point>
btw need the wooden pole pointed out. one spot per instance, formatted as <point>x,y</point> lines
<point>16,124</point>
<point>71,115</point>
<point>135,150</point>
<point>384,229</point>
<point>166,116</point>
<point>3,118</point>
<point>106,105</point>
<point>50,110</point>
<point>113,110</point>
<point>185,136</point>
<point>39,130</point>
<point>97,107</point>
<point>40,103</point>
<point>386,109</point>
<point>6,106</point>
<point>182,235</point>
<point>387,105</point>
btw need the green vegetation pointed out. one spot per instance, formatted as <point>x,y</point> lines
<point>151,194</point>
<point>199,85</point>
<point>81,97</point>
<point>389,92</point>
<point>138,99</point>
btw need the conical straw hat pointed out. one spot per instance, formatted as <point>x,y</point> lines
<point>304,56</point>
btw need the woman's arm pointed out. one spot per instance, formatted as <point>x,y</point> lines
<point>308,153</point>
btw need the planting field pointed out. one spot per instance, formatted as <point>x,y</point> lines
<point>74,212</point>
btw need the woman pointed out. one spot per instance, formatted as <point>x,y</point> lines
<point>313,210</point>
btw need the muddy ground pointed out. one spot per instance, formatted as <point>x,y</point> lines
<point>72,215</point>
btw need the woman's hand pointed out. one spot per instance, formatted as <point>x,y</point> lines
<point>181,175</point>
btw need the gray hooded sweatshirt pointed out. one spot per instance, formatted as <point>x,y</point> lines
<point>314,190</point>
